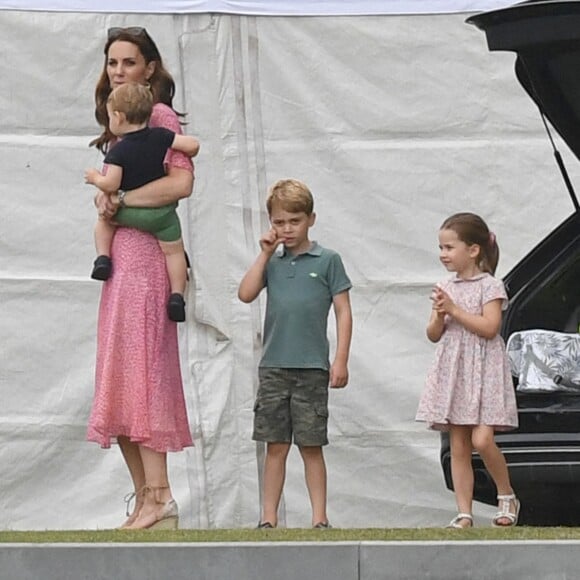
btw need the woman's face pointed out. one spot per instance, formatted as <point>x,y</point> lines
<point>126,64</point>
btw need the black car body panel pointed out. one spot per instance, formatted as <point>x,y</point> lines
<point>543,454</point>
<point>546,38</point>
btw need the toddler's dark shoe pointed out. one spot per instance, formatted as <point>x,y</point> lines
<point>102,268</point>
<point>187,266</point>
<point>176,308</point>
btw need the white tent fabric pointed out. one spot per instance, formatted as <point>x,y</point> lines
<point>394,121</point>
<point>260,7</point>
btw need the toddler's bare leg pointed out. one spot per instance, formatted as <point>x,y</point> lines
<point>176,265</point>
<point>104,231</point>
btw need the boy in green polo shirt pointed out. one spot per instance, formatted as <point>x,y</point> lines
<point>303,280</point>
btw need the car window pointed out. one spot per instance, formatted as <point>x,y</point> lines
<point>554,304</point>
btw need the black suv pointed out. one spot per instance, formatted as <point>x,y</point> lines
<point>543,454</point>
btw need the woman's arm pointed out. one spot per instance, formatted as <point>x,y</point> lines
<point>176,185</point>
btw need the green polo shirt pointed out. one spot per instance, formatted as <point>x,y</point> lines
<point>300,291</point>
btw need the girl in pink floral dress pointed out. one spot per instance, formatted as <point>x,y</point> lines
<point>469,390</point>
<point>139,400</point>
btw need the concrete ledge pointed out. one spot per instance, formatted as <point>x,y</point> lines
<point>466,560</point>
<point>462,560</point>
<point>235,561</point>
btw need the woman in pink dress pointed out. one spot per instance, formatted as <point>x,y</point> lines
<point>139,397</point>
<point>469,389</point>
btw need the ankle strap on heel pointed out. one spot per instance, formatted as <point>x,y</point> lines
<point>155,491</point>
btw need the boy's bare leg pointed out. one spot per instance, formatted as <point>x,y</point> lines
<point>274,476</point>
<point>104,232</point>
<point>315,475</point>
<point>176,265</point>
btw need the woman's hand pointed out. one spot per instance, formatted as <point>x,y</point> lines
<point>106,205</point>
<point>176,185</point>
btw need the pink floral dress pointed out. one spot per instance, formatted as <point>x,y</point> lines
<point>138,385</point>
<point>470,382</point>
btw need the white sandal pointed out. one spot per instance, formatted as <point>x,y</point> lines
<point>454,523</point>
<point>504,512</point>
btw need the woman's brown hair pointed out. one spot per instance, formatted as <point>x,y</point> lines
<point>161,82</point>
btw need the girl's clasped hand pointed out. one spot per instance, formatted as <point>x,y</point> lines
<point>442,303</point>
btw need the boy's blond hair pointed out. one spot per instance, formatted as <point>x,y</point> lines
<point>291,195</point>
<point>134,100</point>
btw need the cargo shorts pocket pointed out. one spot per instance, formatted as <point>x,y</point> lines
<point>321,410</point>
<point>313,426</point>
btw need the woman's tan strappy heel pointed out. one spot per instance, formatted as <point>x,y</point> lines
<point>168,518</point>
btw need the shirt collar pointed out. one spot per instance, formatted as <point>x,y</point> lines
<point>314,250</point>
<point>456,278</point>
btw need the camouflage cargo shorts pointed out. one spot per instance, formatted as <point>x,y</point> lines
<point>292,404</point>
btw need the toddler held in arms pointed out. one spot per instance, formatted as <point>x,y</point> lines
<point>135,159</point>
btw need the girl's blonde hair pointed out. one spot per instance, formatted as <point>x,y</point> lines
<point>471,229</point>
<point>291,195</point>
<point>134,100</point>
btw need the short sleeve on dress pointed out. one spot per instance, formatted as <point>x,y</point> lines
<point>164,116</point>
<point>493,289</point>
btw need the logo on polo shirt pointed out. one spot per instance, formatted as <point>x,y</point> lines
<point>313,275</point>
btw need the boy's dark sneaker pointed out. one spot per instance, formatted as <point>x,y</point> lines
<point>176,308</point>
<point>322,526</point>
<point>264,526</point>
<point>102,268</point>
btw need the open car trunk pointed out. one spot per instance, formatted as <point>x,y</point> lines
<point>543,454</point>
<point>544,288</point>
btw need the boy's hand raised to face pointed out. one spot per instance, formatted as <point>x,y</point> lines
<point>270,241</point>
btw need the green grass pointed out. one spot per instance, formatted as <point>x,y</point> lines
<point>291,535</point>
